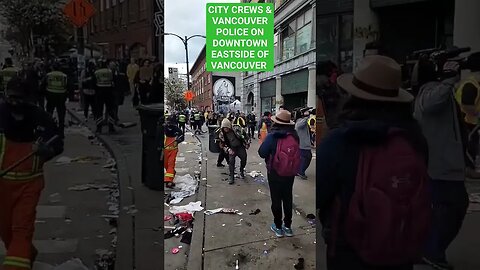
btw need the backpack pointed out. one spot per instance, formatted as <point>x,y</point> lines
<point>286,161</point>
<point>389,214</point>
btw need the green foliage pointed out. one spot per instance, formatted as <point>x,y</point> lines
<point>174,93</point>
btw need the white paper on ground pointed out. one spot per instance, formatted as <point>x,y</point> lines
<point>190,208</point>
<point>187,186</point>
<point>74,264</point>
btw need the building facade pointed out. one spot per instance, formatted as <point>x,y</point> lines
<point>123,28</point>
<point>206,96</point>
<point>400,26</point>
<point>292,83</point>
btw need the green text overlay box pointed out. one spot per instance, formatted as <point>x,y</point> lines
<point>240,37</point>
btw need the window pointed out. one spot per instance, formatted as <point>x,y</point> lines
<point>327,39</point>
<point>296,38</point>
<point>288,37</point>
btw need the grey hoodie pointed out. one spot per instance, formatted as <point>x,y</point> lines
<point>303,133</point>
<point>437,113</point>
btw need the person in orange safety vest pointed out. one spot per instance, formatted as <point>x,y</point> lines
<point>173,136</point>
<point>24,129</point>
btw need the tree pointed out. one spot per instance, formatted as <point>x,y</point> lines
<point>174,91</point>
<point>33,18</point>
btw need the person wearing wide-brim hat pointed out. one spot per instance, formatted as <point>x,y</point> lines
<point>376,105</point>
<point>281,187</point>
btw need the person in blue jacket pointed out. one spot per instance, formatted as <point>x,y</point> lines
<point>281,188</point>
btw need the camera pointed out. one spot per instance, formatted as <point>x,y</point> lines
<point>298,113</point>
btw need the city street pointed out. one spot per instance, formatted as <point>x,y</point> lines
<point>226,238</point>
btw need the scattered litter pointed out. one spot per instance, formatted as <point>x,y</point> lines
<point>254,174</point>
<point>180,247</point>
<point>55,198</point>
<point>74,264</point>
<point>84,187</point>
<point>174,232</point>
<point>222,210</point>
<point>236,265</point>
<point>208,185</point>
<point>111,163</point>
<point>187,186</point>
<point>298,213</point>
<point>131,210</point>
<point>183,217</point>
<point>67,160</point>
<point>255,212</point>
<point>261,192</point>
<point>105,259</point>
<point>223,225</point>
<point>190,208</point>
<point>474,197</point>
<point>204,179</point>
<point>311,219</point>
<point>300,264</point>
<point>175,250</point>
<point>187,237</point>
<point>265,252</point>
<point>167,217</point>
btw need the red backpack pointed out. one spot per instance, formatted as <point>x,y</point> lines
<point>286,161</point>
<point>389,215</point>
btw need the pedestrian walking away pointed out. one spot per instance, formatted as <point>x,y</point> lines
<point>264,126</point>
<point>436,109</point>
<point>173,136</point>
<point>24,128</point>
<point>182,120</point>
<point>251,122</point>
<point>281,151</point>
<point>372,179</point>
<point>303,131</point>
<point>235,143</point>
<point>56,89</point>
<point>104,83</point>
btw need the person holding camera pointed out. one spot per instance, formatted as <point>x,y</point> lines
<point>303,131</point>
<point>440,119</point>
<point>468,97</point>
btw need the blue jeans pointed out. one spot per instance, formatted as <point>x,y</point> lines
<point>305,159</point>
<point>450,203</point>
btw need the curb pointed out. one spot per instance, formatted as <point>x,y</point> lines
<point>125,250</point>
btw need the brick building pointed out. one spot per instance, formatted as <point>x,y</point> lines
<point>123,28</point>
<point>201,83</point>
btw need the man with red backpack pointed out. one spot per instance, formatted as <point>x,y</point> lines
<point>281,151</point>
<point>372,181</point>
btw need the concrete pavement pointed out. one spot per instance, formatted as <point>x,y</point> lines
<point>140,240</point>
<point>225,238</point>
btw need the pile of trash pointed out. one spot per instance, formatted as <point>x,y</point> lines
<point>181,223</point>
<point>185,186</point>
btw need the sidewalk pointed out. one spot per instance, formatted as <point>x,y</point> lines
<point>69,216</point>
<point>187,164</point>
<point>247,238</point>
<point>140,240</point>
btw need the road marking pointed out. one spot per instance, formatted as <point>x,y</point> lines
<point>50,246</point>
<point>47,211</point>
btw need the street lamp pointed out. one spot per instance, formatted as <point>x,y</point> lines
<point>185,43</point>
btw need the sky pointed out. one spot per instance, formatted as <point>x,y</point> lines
<point>185,18</point>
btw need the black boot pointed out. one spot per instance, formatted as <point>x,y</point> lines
<point>232,179</point>
<point>242,173</point>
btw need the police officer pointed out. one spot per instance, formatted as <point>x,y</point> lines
<point>182,120</point>
<point>104,87</point>
<point>6,74</point>
<point>56,90</point>
<point>197,119</point>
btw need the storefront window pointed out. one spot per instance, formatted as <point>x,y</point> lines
<point>327,39</point>
<point>304,38</point>
<point>266,104</point>
<point>288,36</point>
<point>346,43</point>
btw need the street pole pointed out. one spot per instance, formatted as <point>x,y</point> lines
<point>188,66</point>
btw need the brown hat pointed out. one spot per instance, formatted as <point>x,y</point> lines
<point>377,78</point>
<point>283,117</point>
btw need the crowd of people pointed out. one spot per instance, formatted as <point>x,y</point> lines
<point>391,171</point>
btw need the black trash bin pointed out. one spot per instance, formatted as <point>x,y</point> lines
<point>212,145</point>
<point>151,119</point>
